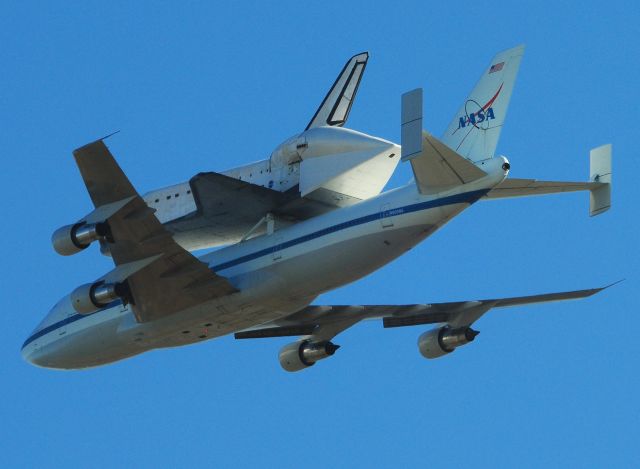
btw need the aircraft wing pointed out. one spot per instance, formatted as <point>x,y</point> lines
<point>335,107</point>
<point>170,278</point>
<point>322,323</point>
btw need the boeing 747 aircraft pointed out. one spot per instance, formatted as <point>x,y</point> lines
<point>307,220</point>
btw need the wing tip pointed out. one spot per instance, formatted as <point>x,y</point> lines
<point>99,140</point>
<point>611,284</point>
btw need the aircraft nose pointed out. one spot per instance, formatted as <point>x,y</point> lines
<point>32,354</point>
<point>26,352</point>
<point>36,357</point>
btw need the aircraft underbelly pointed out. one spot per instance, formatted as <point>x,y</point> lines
<point>279,285</point>
<point>87,347</point>
<point>345,260</point>
<point>341,263</point>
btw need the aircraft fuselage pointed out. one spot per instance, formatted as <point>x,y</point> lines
<point>276,274</point>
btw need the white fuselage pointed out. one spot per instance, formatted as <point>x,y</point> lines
<point>276,275</point>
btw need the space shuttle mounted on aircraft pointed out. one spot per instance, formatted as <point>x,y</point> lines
<point>307,220</point>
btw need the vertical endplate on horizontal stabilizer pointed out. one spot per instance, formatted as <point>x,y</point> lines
<point>600,171</point>
<point>411,124</point>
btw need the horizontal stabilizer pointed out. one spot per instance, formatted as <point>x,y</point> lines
<point>514,187</point>
<point>436,167</point>
<point>448,164</point>
<point>599,184</point>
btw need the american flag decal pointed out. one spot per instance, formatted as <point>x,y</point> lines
<point>496,67</point>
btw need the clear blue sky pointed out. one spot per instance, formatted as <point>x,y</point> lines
<point>197,86</point>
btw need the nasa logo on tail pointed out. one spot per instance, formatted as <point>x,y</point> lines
<point>483,114</point>
<point>477,117</point>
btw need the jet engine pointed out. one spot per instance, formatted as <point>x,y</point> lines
<point>90,297</point>
<point>71,239</point>
<point>438,342</point>
<point>303,354</point>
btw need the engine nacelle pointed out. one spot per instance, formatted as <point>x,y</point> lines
<point>72,239</point>
<point>90,297</point>
<point>438,342</point>
<point>303,354</point>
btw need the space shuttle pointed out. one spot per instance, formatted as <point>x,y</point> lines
<point>324,167</point>
<point>328,166</point>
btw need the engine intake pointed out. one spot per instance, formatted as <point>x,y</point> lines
<point>303,354</point>
<point>438,342</point>
<point>71,239</point>
<point>90,297</point>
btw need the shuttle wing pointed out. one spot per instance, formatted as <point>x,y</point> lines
<point>228,208</point>
<point>171,279</point>
<point>322,323</point>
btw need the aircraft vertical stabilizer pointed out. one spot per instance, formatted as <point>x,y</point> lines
<point>475,129</point>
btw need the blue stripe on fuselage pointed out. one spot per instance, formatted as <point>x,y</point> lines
<point>66,321</point>
<point>466,197</point>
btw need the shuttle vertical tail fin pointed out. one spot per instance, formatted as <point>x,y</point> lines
<point>475,129</point>
<point>335,108</point>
